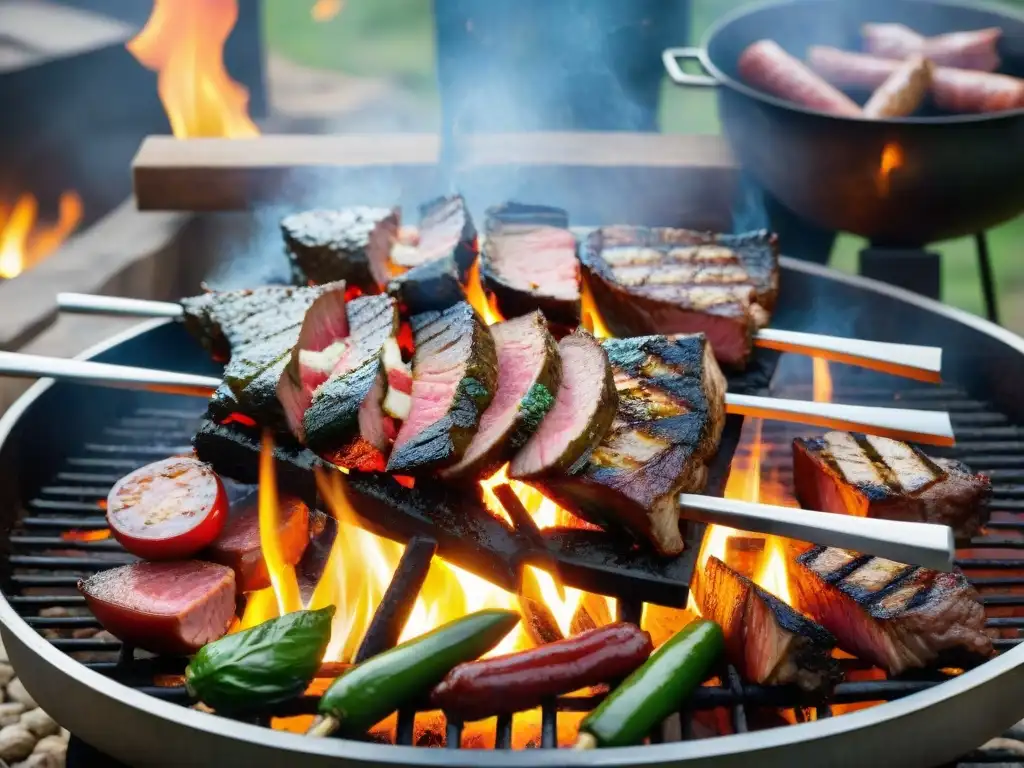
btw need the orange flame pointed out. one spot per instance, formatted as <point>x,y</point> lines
<point>591,317</point>
<point>892,158</point>
<point>325,10</point>
<point>183,42</point>
<point>23,243</point>
<point>100,535</point>
<point>485,305</point>
<point>822,385</point>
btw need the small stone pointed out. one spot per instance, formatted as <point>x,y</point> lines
<point>6,674</point>
<point>40,723</point>
<point>41,760</point>
<point>65,734</point>
<point>10,713</point>
<point>16,743</point>
<point>55,612</point>
<point>54,745</point>
<point>16,692</point>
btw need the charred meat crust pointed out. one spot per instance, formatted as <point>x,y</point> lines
<point>453,343</point>
<point>435,214</point>
<point>679,281</point>
<point>519,406</point>
<point>597,413</point>
<point>894,616</point>
<point>519,214</point>
<point>351,244</point>
<point>856,474</point>
<point>430,287</point>
<point>768,642</point>
<point>669,422</point>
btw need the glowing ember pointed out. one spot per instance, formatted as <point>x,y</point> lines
<point>325,10</point>
<point>23,242</point>
<point>481,302</point>
<point>822,381</point>
<point>183,42</point>
<point>100,535</point>
<point>892,158</point>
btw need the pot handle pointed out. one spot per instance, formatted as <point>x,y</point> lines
<point>670,57</point>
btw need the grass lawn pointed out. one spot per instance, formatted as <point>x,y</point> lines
<point>394,39</point>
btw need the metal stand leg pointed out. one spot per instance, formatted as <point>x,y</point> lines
<point>988,283</point>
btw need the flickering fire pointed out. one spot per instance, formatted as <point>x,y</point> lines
<point>183,42</point>
<point>822,381</point>
<point>23,241</point>
<point>478,298</point>
<point>325,10</point>
<point>892,158</point>
<point>591,317</point>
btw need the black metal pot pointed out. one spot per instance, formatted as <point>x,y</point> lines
<point>954,174</point>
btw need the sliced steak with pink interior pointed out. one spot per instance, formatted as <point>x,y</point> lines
<point>894,616</point>
<point>529,375</point>
<point>767,641</point>
<point>854,474</point>
<point>679,281</point>
<point>351,244</point>
<point>446,230</point>
<point>454,378</point>
<point>528,267</point>
<point>172,607</point>
<point>345,423</point>
<point>513,213</point>
<point>585,406</point>
<point>667,426</point>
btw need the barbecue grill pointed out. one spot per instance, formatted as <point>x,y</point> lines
<point>62,446</point>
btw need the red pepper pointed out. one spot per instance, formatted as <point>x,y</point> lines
<point>523,680</point>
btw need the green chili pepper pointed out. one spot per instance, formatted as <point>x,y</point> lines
<point>371,691</point>
<point>269,663</point>
<point>654,691</point>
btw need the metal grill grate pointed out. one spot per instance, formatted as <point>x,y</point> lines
<point>46,566</point>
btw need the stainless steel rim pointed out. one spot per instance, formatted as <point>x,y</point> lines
<point>122,721</point>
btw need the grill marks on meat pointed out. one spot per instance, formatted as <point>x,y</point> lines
<point>351,244</point>
<point>528,267</point>
<point>583,411</point>
<point>679,281</point>
<point>345,422</point>
<point>669,421</point>
<point>454,378</point>
<point>525,214</point>
<point>868,476</point>
<point>529,375</point>
<point>170,607</point>
<point>894,616</point>
<point>446,231</point>
<point>767,641</point>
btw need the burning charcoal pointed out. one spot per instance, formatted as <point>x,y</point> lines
<point>583,412</point>
<point>867,476</point>
<point>430,287</point>
<point>352,244</point>
<point>668,424</point>
<point>538,621</point>
<point>171,607</point>
<point>894,616</point>
<point>446,231</point>
<point>529,375</point>
<point>528,267</point>
<point>767,641</point>
<point>454,378</point>
<point>678,281</point>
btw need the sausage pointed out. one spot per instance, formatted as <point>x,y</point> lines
<point>962,50</point>
<point>521,681</point>
<point>954,90</point>
<point>767,66</point>
<point>903,91</point>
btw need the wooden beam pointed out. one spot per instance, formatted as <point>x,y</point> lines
<point>641,178</point>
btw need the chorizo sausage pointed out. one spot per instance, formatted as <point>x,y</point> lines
<point>903,91</point>
<point>767,66</point>
<point>975,49</point>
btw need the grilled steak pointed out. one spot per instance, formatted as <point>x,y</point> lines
<point>669,421</point>
<point>454,377</point>
<point>870,476</point>
<point>172,607</point>
<point>528,267</point>
<point>767,641</point>
<point>345,423</point>
<point>430,287</point>
<point>529,375</point>
<point>446,230</point>
<point>894,616</point>
<point>524,214</point>
<point>584,408</point>
<point>238,546</point>
<point>351,244</point>
<point>679,281</point>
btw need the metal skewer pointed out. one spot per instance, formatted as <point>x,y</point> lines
<point>921,544</point>
<point>907,360</point>
<point>930,427</point>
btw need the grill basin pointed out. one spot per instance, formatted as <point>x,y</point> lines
<point>61,447</point>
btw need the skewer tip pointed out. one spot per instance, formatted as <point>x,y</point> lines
<point>323,726</point>
<point>586,741</point>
